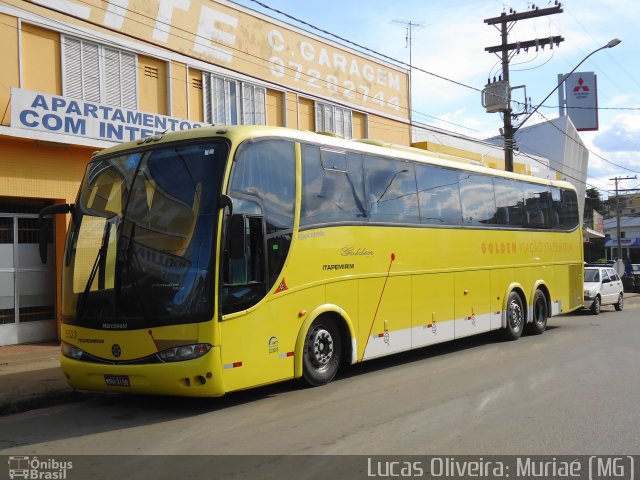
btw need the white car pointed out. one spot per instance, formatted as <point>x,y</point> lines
<point>602,286</point>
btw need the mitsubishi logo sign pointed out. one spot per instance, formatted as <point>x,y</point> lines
<point>579,94</point>
<point>580,87</point>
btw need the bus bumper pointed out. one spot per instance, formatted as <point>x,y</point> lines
<point>200,377</point>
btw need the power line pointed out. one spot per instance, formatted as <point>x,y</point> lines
<point>633,79</point>
<point>507,22</point>
<point>378,54</point>
<point>367,49</point>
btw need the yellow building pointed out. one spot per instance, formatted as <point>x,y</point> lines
<point>82,75</point>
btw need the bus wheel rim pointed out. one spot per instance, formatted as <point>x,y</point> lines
<point>321,347</point>
<point>515,316</point>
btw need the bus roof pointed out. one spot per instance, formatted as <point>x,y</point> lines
<point>241,133</point>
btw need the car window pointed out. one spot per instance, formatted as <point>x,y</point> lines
<point>591,275</point>
<point>605,275</point>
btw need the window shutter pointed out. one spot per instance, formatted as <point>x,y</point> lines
<point>112,77</point>
<point>260,102</point>
<point>339,122</point>
<point>128,84</point>
<point>96,73</point>
<point>248,110</point>
<point>348,126</point>
<point>206,97</point>
<point>72,85</point>
<point>328,119</point>
<point>90,72</point>
<point>232,117</point>
<point>218,100</point>
<point>319,117</point>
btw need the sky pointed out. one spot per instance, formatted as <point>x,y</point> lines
<point>451,44</point>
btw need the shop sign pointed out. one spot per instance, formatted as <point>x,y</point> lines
<point>624,242</point>
<point>581,93</point>
<point>67,116</point>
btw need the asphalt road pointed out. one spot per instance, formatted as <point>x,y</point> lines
<point>573,390</point>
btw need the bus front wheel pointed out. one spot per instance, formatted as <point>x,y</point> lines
<point>322,353</point>
<point>515,317</point>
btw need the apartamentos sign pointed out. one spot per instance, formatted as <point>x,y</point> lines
<point>219,33</point>
<point>67,116</point>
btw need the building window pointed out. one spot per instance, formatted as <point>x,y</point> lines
<point>229,102</point>
<point>330,118</point>
<point>97,73</point>
<point>254,101</point>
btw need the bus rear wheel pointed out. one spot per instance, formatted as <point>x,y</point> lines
<point>540,314</point>
<point>515,317</point>
<point>322,353</point>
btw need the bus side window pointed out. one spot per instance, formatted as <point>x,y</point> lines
<point>565,206</point>
<point>509,202</point>
<point>391,190</point>
<point>537,206</point>
<point>438,195</point>
<point>478,199</point>
<point>332,186</point>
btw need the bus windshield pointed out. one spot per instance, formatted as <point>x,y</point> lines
<point>140,247</point>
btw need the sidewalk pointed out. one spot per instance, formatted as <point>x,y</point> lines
<point>30,374</point>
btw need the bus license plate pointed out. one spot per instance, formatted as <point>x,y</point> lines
<point>117,380</point>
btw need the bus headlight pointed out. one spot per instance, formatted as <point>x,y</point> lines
<point>71,351</point>
<point>184,352</point>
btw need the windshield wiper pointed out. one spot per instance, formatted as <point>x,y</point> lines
<point>130,258</point>
<point>87,287</point>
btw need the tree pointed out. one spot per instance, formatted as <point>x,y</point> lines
<point>593,201</point>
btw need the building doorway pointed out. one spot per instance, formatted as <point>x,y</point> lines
<point>27,286</point>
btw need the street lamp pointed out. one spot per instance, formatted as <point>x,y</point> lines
<point>508,142</point>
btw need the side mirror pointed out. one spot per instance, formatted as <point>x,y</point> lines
<point>226,202</point>
<point>44,226</point>
<point>237,237</point>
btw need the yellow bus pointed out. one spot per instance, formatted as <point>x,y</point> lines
<point>219,259</point>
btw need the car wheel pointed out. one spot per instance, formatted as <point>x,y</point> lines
<point>620,305</point>
<point>595,307</point>
<point>540,314</point>
<point>322,353</point>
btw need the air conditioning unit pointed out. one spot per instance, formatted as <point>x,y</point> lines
<point>496,96</point>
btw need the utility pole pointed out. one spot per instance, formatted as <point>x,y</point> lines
<point>410,25</point>
<point>616,180</point>
<point>506,22</point>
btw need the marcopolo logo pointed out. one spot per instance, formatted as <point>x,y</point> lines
<point>38,469</point>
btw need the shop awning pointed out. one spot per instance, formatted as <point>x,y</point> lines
<point>591,234</point>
